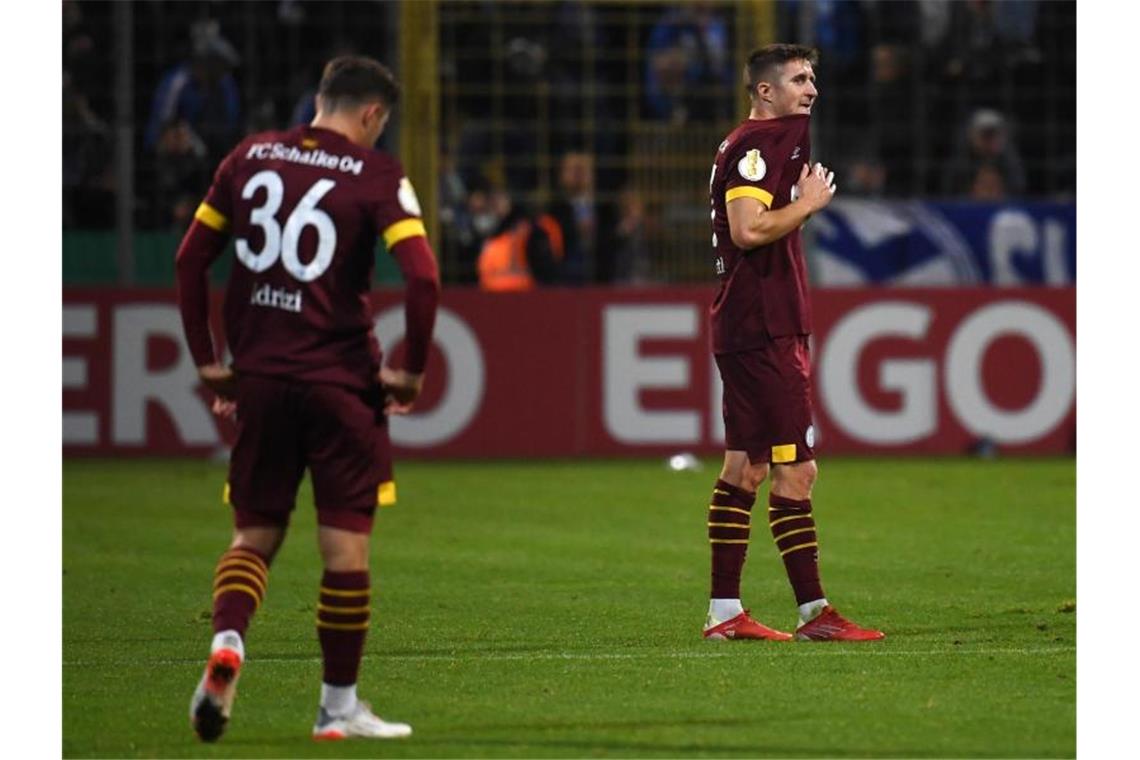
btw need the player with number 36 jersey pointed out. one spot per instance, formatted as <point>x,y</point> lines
<point>305,209</point>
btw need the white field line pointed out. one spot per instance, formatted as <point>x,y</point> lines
<point>794,650</point>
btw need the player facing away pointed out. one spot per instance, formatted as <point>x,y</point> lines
<point>763,188</point>
<point>306,208</point>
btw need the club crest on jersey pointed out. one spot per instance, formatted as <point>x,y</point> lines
<point>407,197</point>
<point>752,166</point>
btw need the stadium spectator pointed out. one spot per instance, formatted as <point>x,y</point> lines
<point>466,219</point>
<point>988,185</point>
<point>575,209</point>
<point>981,43</point>
<point>457,234</point>
<point>182,170</point>
<point>632,264</point>
<point>81,59</point>
<point>866,175</point>
<point>986,163</point>
<point>88,184</point>
<point>522,250</point>
<point>200,93</point>
<point>687,61</point>
<point>891,117</point>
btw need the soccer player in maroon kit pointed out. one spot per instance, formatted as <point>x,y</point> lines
<point>305,208</point>
<point>763,189</point>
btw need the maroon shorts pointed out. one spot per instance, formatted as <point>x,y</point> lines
<point>767,401</point>
<point>341,435</point>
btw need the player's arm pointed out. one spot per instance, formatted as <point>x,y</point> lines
<point>752,224</point>
<point>202,244</point>
<point>417,264</point>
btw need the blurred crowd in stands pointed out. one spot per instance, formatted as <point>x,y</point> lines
<point>972,100</point>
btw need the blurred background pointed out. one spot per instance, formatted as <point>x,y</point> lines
<point>578,135</point>
<point>596,118</point>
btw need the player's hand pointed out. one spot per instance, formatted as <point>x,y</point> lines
<point>816,186</point>
<point>220,379</point>
<point>826,175</point>
<point>401,389</point>
<point>224,409</point>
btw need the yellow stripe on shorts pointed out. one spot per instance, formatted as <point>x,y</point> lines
<point>783,454</point>
<point>386,494</point>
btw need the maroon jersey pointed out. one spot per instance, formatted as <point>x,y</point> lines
<point>763,291</point>
<point>305,208</point>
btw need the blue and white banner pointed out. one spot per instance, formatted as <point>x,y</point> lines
<point>923,244</point>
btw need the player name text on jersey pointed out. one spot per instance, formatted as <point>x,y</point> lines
<point>278,298</point>
<point>280,152</point>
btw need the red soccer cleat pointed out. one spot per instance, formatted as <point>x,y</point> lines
<point>214,698</point>
<point>829,625</point>
<point>744,627</point>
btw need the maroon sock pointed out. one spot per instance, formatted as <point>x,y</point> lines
<point>793,528</point>
<point>240,580</point>
<point>342,624</point>
<point>730,520</point>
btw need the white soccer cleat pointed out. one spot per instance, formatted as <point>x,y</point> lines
<point>361,722</point>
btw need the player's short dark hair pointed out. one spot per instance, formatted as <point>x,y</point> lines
<point>352,80</point>
<point>762,60</point>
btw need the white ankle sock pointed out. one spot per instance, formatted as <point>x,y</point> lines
<point>338,701</point>
<point>810,611</point>
<point>724,609</point>
<point>229,639</point>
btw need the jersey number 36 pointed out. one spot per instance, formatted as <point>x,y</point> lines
<point>282,242</point>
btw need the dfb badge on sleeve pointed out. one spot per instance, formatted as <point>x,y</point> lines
<point>752,166</point>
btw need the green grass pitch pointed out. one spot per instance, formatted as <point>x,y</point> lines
<point>553,609</point>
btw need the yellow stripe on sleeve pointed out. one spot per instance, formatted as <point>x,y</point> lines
<point>386,494</point>
<point>211,217</point>
<point>402,230</point>
<point>747,191</point>
<point>783,454</point>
